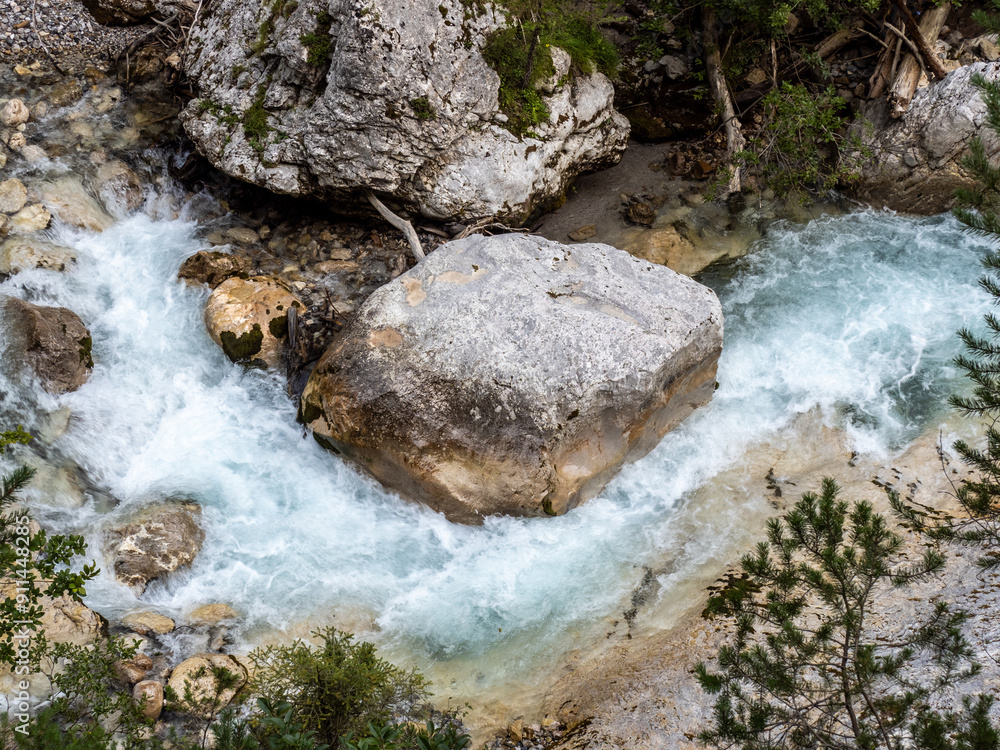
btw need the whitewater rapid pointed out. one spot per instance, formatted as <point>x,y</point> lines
<point>850,317</point>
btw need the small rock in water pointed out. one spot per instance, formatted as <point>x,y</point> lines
<point>640,212</point>
<point>13,196</point>
<point>583,233</point>
<point>243,235</point>
<point>149,694</point>
<point>212,614</point>
<point>146,623</point>
<point>14,113</point>
<point>30,219</point>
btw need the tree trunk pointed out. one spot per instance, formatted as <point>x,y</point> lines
<point>908,75</point>
<point>724,102</point>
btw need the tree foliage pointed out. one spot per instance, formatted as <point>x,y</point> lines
<point>33,565</point>
<point>807,665</point>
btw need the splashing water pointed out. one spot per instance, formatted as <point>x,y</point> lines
<point>851,316</point>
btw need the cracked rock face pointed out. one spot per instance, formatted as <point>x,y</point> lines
<point>514,375</point>
<point>327,97</point>
<point>915,161</point>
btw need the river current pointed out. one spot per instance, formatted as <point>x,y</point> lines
<point>850,319</point>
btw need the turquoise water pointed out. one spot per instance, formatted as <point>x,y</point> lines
<point>852,316</point>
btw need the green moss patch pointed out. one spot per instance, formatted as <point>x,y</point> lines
<point>520,54</point>
<point>318,42</point>
<point>255,126</point>
<point>86,351</point>
<point>278,326</point>
<point>423,108</point>
<point>242,350</point>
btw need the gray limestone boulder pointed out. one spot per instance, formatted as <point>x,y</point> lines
<point>514,375</point>
<point>914,164</point>
<point>328,98</point>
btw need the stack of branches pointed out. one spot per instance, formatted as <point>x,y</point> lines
<point>168,38</point>
<point>906,53</point>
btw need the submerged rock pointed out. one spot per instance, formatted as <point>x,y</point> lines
<point>51,341</point>
<point>328,99</point>
<point>914,164</point>
<point>157,541</point>
<point>515,375</point>
<point>248,318</point>
<point>68,200</point>
<point>119,186</point>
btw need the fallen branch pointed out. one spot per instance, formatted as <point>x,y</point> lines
<point>400,223</point>
<point>905,83</point>
<point>919,33</point>
<point>724,101</point>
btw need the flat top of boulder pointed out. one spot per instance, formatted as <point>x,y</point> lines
<point>539,317</point>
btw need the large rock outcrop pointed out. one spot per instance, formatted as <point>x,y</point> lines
<point>515,375</point>
<point>330,97</point>
<point>914,162</point>
<point>51,342</point>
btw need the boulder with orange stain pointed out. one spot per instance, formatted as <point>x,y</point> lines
<point>514,375</point>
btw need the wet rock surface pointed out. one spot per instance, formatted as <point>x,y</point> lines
<point>51,342</point>
<point>157,541</point>
<point>515,375</point>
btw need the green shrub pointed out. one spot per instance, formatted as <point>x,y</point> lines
<point>318,42</point>
<point>798,144</point>
<point>807,664</point>
<point>520,53</point>
<point>336,688</point>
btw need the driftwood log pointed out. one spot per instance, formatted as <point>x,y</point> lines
<point>908,75</point>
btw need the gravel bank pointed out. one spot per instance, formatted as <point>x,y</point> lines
<point>71,34</point>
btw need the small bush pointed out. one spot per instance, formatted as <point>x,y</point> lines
<point>318,42</point>
<point>337,688</point>
<point>797,146</point>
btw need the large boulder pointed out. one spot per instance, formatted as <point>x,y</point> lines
<point>913,164</point>
<point>157,541</point>
<point>332,97</point>
<point>248,318</point>
<point>515,375</point>
<point>51,342</point>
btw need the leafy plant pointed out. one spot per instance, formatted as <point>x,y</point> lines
<point>806,666</point>
<point>339,687</point>
<point>36,565</point>
<point>797,144</point>
<point>318,42</point>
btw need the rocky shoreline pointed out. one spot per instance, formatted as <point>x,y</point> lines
<point>635,694</point>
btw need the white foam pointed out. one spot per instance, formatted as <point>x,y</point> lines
<point>852,315</point>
